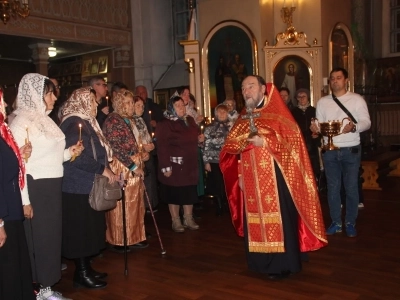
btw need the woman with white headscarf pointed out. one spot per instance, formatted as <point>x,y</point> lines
<point>44,171</point>
<point>83,227</point>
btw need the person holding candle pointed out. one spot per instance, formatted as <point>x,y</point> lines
<point>142,135</point>
<point>130,150</point>
<point>84,228</point>
<point>16,278</point>
<point>178,137</point>
<point>156,115</point>
<point>152,114</point>
<point>44,171</point>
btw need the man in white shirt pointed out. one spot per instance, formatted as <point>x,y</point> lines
<point>345,161</point>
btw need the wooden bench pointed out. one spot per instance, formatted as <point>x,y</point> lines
<point>376,165</point>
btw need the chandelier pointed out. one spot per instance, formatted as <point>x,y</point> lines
<point>13,8</point>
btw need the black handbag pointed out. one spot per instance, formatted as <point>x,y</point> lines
<point>104,195</point>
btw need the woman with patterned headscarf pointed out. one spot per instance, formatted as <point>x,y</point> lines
<point>141,134</point>
<point>44,171</point>
<point>83,227</point>
<point>129,155</point>
<point>177,140</point>
<point>14,256</point>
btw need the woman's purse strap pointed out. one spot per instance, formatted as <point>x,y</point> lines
<point>93,147</point>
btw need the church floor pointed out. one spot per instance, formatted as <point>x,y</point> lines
<point>210,263</point>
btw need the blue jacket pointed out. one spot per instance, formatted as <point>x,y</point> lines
<point>79,174</point>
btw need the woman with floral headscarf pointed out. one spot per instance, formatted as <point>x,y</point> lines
<point>83,227</point>
<point>14,256</point>
<point>177,138</point>
<point>44,171</point>
<point>129,155</point>
<point>141,134</point>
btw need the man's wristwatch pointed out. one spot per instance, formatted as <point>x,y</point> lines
<point>354,128</point>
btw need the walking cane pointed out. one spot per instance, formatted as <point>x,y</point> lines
<point>163,252</point>
<point>122,183</point>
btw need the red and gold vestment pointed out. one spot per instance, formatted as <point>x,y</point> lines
<point>259,200</point>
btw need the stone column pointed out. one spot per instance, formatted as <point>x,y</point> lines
<point>40,55</point>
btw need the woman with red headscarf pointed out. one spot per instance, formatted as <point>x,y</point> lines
<point>15,268</point>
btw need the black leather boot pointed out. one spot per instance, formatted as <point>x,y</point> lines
<point>83,277</point>
<point>94,273</point>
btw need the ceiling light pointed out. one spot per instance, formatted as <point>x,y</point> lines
<point>14,8</point>
<point>52,51</point>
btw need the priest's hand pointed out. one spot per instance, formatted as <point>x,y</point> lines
<point>257,141</point>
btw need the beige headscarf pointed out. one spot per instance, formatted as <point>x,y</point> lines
<point>80,104</point>
<point>119,103</point>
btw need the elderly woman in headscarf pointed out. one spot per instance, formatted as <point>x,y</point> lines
<point>143,136</point>
<point>178,137</point>
<point>129,155</point>
<point>44,169</point>
<point>83,227</point>
<point>303,114</point>
<point>15,268</point>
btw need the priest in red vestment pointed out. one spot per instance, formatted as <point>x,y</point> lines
<point>270,184</point>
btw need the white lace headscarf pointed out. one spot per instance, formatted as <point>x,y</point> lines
<point>31,108</point>
<point>80,104</point>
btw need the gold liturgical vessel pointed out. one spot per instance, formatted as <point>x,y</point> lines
<point>330,129</point>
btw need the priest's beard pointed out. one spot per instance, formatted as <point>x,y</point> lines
<point>251,104</point>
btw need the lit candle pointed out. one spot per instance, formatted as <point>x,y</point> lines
<point>198,108</point>
<point>152,134</point>
<point>80,132</point>
<point>201,129</point>
<point>150,114</point>
<point>107,100</point>
<point>26,142</point>
<point>27,134</point>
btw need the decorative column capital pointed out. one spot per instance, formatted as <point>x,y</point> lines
<point>40,52</point>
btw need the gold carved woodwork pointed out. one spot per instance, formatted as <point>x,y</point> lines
<point>291,37</point>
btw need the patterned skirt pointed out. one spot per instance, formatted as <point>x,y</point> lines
<point>134,210</point>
